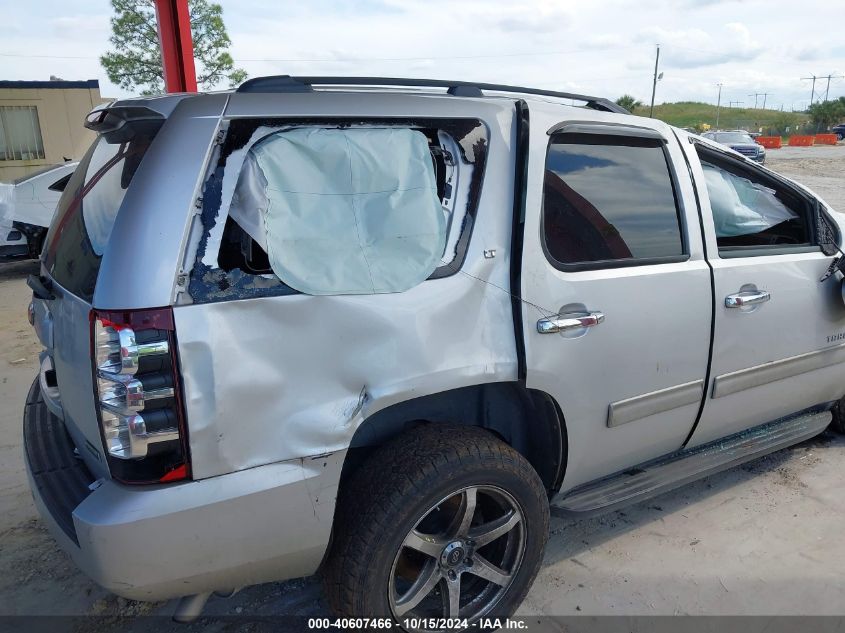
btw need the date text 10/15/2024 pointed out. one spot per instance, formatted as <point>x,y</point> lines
<point>454,624</point>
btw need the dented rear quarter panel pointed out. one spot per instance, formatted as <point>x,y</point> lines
<point>276,378</point>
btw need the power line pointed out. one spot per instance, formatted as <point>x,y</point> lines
<point>47,56</point>
<point>577,51</point>
<point>760,94</point>
<point>369,59</point>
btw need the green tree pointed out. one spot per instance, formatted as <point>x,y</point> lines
<point>135,61</point>
<point>629,103</point>
<point>826,113</point>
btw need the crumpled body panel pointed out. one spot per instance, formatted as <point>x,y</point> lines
<point>274,378</point>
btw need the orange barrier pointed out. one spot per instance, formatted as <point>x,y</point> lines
<point>769,142</point>
<point>826,139</point>
<point>801,141</point>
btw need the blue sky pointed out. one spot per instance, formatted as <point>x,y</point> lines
<point>603,47</point>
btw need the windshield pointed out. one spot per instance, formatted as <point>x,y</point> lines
<point>733,137</point>
<point>89,206</point>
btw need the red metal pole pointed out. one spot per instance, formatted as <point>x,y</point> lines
<point>177,48</point>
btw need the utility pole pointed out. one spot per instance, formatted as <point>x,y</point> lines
<point>812,88</point>
<point>813,95</point>
<point>829,77</point>
<point>731,103</point>
<point>718,104</point>
<point>654,82</point>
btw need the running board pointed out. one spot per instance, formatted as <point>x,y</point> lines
<point>677,469</point>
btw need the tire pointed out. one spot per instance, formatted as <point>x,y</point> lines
<point>424,480</point>
<point>837,424</point>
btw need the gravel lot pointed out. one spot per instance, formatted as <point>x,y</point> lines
<point>763,538</point>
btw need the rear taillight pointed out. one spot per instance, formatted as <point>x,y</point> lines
<point>139,400</point>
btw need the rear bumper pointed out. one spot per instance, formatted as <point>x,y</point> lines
<point>157,542</point>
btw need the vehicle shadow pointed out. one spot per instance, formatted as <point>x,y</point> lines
<point>18,268</point>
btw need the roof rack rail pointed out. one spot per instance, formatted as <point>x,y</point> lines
<point>286,83</point>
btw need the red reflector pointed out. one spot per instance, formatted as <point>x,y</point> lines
<point>180,472</point>
<point>160,319</point>
<point>112,324</point>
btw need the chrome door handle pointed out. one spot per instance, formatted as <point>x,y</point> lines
<point>747,298</point>
<point>560,323</point>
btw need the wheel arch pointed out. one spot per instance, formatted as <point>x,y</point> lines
<point>528,420</point>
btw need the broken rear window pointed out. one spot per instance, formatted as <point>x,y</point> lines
<point>337,208</point>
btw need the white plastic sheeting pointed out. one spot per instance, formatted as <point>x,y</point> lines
<point>250,199</point>
<point>231,205</point>
<point>344,211</point>
<point>7,202</point>
<point>741,207</point>
<point>30,200</point>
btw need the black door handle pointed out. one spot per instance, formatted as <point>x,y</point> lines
<point>40,289</point>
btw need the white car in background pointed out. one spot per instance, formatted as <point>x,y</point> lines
<point>26,209</point>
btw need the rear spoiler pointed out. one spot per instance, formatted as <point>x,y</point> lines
<point>111,116</point>
<point>107,119</point>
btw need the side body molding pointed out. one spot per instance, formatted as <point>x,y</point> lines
<point>736,381</point>
<point>644,405</point>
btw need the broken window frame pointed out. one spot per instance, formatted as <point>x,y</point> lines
<point>208,283</point>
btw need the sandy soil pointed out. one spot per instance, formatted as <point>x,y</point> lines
<point>822,169</point>
<point>764,538</point>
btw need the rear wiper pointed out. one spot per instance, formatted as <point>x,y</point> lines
<point>39,288</point>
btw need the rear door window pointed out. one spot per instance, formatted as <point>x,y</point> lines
<point>333,208</point>
<point>89,205</point>
<point>609,201</point>
<point>336,217</point>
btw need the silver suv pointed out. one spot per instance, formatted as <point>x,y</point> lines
<point>379,328</point>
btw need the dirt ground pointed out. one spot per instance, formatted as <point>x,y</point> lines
<point>822,169</point>
<point>765,538</point>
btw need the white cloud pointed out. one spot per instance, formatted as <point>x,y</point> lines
<point>80,26</point>
<point>695,48</point>
<point>604,48</point>
<point>530,17</point>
